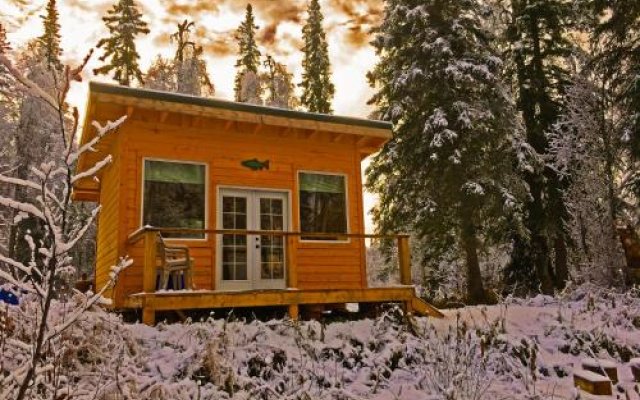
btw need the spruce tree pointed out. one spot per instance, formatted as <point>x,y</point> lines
<point>279,84</point>
<point>248,55</point>
<point>448,175</point>
<point>50,39</point>
<point>124,22</point>
<point>540,50</point>
<point>316,83</point>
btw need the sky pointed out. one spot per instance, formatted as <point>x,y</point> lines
<point>348,25</point>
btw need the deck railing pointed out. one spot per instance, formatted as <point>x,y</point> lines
<point>149,234</point>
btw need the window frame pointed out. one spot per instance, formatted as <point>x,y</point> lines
<point>346,206</point>
<point>206,195</point>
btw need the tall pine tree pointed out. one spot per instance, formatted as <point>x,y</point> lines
<point>50,39</point>
<point>540,52</point>
<point>448,174</point>
<point>124,22</point>
<point>316,83</point>
<point>248,54</point>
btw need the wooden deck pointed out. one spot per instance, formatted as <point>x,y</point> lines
<point>169,300</point>
<point>152,301</point>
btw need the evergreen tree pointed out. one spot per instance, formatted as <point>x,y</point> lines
<point>316,83</point>
<point>124,22</point>
<point>279,85</point>
<point>8,122</point>
<point>50,39</point>
<point>5,48</point>
<point>583,150</point>
<point>616,39</point>
<point>448,174</point>
<point>249,55</point>
<point>161,75</point>
<point>33,140</point>
<point>250,88</point>
<point>190,68</point>
<point>541,51</point>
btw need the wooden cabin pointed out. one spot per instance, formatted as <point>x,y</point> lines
<point>267,201</point>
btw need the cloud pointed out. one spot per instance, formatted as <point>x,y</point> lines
<point>192,8</point>
<point>93,7</point>
<point>218,44</point>
<point>363,16</point>
<point>279,11</point>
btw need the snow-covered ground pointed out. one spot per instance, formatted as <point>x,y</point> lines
<point>520,349</point>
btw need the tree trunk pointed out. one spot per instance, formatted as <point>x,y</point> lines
<point>475,288</point>
<point>540,251</point>
<point>562,270</point>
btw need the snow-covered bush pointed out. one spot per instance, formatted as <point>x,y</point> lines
<point>37,353</point>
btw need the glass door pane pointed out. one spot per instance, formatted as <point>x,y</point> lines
<point>272,255</point>
<point>234,247</point>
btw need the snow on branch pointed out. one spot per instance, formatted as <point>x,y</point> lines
<point>24,207</point>
<point>91,172</point>
<point>101,131</point>
<point>31,86</point>
<point>40,268</point>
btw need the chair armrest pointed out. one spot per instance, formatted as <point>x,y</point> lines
<point>177,247</point>
<point>181,251</point>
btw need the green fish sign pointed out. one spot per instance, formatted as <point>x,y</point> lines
<point>255,164</point>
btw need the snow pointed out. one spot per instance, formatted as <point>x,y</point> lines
<point>520,348</point>
<point>590,376</point>
<point>595,363</point>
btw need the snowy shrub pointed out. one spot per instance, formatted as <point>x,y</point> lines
<point>39,352</point>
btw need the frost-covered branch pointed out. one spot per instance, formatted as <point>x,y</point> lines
<point>40,273</point>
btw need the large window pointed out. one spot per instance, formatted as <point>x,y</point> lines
<point>174,196</point>
<point>323,204</point>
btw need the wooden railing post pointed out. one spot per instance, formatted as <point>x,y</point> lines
<point>149,266</point>
<point>404,259</point>
<point>292,273</point>
<point>292,265</point>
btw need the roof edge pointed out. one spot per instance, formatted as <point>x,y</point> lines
<point>149,94</point>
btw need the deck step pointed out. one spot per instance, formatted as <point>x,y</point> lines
<point>425,309</point>
<point>592,383</point>
<point>603,367</point>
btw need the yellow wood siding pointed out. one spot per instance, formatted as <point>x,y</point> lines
<point>222,146</point>
<point>108,235</point>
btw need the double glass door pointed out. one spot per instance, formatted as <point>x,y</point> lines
<point>252,261</point>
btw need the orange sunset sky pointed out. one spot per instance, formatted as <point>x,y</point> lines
<point>348,25</point>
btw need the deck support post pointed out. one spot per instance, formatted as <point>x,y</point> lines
<point>404,258</point>
<point>148,316</point>
<point>294,311</point>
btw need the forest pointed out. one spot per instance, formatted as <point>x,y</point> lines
<point>513,163</point>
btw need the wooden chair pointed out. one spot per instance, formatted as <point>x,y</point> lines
<point>173,262</point>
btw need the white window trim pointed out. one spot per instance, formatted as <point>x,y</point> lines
<point>206,195</point>
<point>346,205</point>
